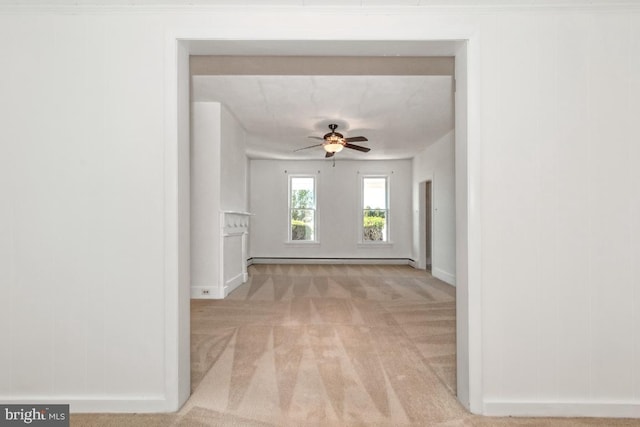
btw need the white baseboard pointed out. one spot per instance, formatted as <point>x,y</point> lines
<point>445,276</point>
<point>413,264</point>
<point>233,283</point>
<point>206,292</point>
<point>214,292</point>
<point>562,409</point>
<point>363,261</point>
<point>108,404</point>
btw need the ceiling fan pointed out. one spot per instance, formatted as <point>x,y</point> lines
<point>334,142</point>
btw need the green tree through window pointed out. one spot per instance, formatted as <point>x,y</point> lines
<point>374,219</point>
<point>302,208</point>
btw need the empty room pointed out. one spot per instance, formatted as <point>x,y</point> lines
<point>324,215</point>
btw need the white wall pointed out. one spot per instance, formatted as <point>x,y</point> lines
<point>338,204</point>
<point>555,97</point>
<point>436,163</point>
<point>82,285</point>
<point>560,205</point>
<point>216,185</point>
<point>233,170</point>
<point>206,197</point>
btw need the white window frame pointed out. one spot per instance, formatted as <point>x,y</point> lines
<point>387,209</point>
<point>315,240</point>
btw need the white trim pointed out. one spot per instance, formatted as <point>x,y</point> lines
<point>214,292</point>
<point>290,177</point>
<point>233,283</point>
<point>562,409</point>
<point>473,206</point>
<point>374,245</point>
<point>354,261</point>
<point>233,224</point>
<point>104,7</point>
<point>422,237</point>
<point>445,276</point>
<point>175,303</point>
<point>361,208</point>
<point>470,391</point>
<point>93,404</point>
<point>301,243</point>
<point>238,213</point>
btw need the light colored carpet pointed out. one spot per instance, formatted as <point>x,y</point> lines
<point>322,345</point>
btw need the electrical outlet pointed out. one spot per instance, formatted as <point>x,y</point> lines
<point>205,292</point>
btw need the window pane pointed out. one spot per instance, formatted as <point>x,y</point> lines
<point>302,224</point>
<point>302,193</point>
<point>374,193</point>
<point>374,225</point>
<point>302,208</point>
<point>374,214</point>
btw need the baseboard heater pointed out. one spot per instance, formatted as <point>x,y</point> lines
<point>314,260</point>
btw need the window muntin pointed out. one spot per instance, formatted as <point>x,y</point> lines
<point>302,209</point>
<point>375,213</point>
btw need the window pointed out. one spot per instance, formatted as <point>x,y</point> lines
<point>375,214</point>
<point>302,208</point>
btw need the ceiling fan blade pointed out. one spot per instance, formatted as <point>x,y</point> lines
<point>311,146</point>
<point>316,137</point>
<point>329,155</point>
<point>358,147</point>
<point>356,139</point>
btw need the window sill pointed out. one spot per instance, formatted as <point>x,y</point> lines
<point>375,244</point>
<point>302,243</point>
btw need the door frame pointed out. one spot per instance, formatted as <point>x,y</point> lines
<point>468,167</point>
<point>422,217</point>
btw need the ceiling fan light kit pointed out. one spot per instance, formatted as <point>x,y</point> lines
<point>333,147</point>
<point>334,142</point>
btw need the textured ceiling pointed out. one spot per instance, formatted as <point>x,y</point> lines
<point>400,115</point>
<point>399,95</point>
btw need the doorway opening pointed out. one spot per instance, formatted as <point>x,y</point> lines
<point>426,230</point>
<point>427,225</point>
<point>177,172</point>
